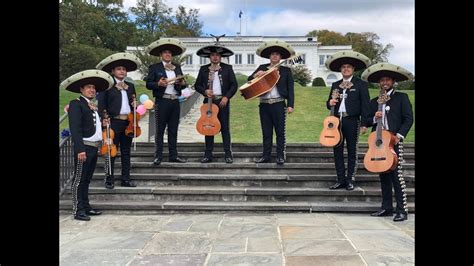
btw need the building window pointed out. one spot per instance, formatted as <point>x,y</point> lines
<point>203,60</point>
<point>189,59</point>
<point>250,59</point>
<point>238,59</point>
<point>321,60</point>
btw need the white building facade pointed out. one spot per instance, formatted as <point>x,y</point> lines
<point>245,60</point>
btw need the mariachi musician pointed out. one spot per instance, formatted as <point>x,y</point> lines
<point>119,101</point>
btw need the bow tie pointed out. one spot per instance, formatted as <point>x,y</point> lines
<point>92,106</point>
<point>169,67</point>
<point>346,85</point>
<point>121,85</point>
<point>214,68</point>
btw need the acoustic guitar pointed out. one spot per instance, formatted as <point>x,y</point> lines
<point>331,134</point>
<point>208,124</point>
<point>381,156</point>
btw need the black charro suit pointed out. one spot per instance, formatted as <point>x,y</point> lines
<point>228,84</point>
<point>166,110</point>
<point>111,100</point>
<point>82,123</point>
<point>357,109</point>
<point>273,116</point>
<point>400,119</point>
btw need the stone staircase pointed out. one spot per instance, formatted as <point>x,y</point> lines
<point>300,185</point>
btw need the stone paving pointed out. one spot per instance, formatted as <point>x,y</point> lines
<point>237,239</point>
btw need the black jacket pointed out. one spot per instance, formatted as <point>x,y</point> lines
<point>357,101</point>
<point>81,122</point>
<point>111,100</point>
<point>285,85</point>
<point>399,116</point>
<point>228,81</point>
<point>155,73</point>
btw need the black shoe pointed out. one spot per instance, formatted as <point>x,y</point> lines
<point>229,160</point>
<point>178,160</point>
<point>109,184</point>
<point>157,161</point>
<point>400,217</point>
<point>93,212</point>
<point>127,183</point>
<point>82,217</point>
<point>280,161</point>
<point>382,212</point>
<point>337,186</point>
<point>206,160</point>
<point>350,186</point>
<point>262,160</point>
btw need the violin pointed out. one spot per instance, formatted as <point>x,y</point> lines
<point>108,147</point>
<point>133,129</point>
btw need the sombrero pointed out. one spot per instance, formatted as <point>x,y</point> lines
<point>102,80</point>
<point>379,70</point>
<point>208,50</point>
<point>282,47</point>
<point>127,60</point>
<point>355,59</point>
<point>175,46</point>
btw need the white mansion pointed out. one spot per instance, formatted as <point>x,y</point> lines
<point>245,60</point>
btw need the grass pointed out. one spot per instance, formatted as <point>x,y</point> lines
<point>303,125</point>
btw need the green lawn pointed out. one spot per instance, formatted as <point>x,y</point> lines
<point>303,125</point>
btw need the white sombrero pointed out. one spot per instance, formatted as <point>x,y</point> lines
<point>379,70</point>
<point>282,47</point>
<point>102,80</point>
<point>355,59</point>
<point>174,45</point>
<point>127,60</point>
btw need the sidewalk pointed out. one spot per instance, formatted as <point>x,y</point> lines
<point>243,239</point>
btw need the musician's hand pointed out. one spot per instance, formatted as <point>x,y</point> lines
<point>333,102</point>
<point>378,114</point>
<point>363,130</point>
<point>182,82</point>
<point>163,82</point>
<point>209,93</point>
<point>258,74</point>
<point>223,102</point>
<point>81,157</point>
<point>290,110</point>
<point>105,122</point>
<point>397,140</point>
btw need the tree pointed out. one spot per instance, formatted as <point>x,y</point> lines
<point>185,24</point>
<point>148,60</point>
<point>150,20</point>
<point>301,74</point>
<point>327,37</point>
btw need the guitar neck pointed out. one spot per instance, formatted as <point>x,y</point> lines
<point>379,122</point>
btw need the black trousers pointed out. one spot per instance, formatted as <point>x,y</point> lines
<point>387,180</point>
<point>124,143</point>
<point>272,116</point>
<point>350,133</point>
<point>223,117</point>
<point>82,177</point>
<point>166,115</point>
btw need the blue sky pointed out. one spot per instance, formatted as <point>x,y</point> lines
<point>392,20</point>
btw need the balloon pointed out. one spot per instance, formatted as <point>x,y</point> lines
<point>141,109</point>
<point>148,104</point>
<point>66,108</point>
<point>143,98</point>
<point>181,98</point>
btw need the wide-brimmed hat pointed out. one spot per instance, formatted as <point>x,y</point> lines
<point>269,47</point>
<point>355,59</point>
<point>101,79</point>
<point>174,45</point>
<point>380,70</point>
<point>127,60</point>
<point>208,50</point>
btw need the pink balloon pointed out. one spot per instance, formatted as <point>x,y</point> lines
<point>141,109</point>
<point>66,108</point>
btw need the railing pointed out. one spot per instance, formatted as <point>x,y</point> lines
<point>66,159</point>
<point>184,108</point>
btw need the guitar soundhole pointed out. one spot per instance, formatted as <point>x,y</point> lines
<point>378,142</point>
<point>330,125</point>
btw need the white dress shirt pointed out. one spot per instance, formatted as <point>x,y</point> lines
<point>170,74</point>
<point>342,107</point>
<point>98,126</point>
<point>125,106</point>
<point>216,84</point>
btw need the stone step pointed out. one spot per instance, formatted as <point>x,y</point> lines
<point>251,147</point>
<point>161,207</point>
<point>240,168</point>
<point>247,157</point>
<point>235,180</point>
<point>221,193</point>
